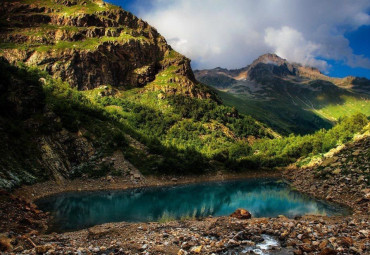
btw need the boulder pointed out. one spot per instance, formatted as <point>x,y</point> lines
<point>241,214</point>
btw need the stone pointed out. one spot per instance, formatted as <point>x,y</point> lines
<point>323,244</point>
<point>346,241</point>
<point>41,249</point>
<point>306,248</point>
<point>356,153</point>
<point>182,252</point>
<point>241,214</point>
<point>364,232</point>
<point>174,179</point>
<point>328,161</point>
<point>297,252</point>
<point>328,251</point>
<point>5,244</point>
<point>196,249</point>
<point>337,171</point>
<point>354,250</point>
<point>110,178</point>
<point>17,249</point>
<point>137,176</point>
<point>367,196</point>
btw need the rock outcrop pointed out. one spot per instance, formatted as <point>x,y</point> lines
<point>36,145</point>
<point>89,44</point>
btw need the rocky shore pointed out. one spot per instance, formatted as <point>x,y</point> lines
<point>220,235</point>
<point>341,177</point>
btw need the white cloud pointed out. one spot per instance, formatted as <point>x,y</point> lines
<point>290,44</point>
<point>232,33</point>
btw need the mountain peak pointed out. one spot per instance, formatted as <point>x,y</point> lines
<point>270,58</point>
<point>302,70</point>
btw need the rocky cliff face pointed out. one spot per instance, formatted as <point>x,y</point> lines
<point>33,146</point>
<point>89,44</point>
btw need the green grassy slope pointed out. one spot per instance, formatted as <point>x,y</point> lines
<point>296,108</point>
<point>279,116</point>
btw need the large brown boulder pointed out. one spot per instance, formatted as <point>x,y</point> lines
<point>241,214</point>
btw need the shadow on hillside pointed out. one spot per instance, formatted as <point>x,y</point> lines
<point>291,107</point>
<point>30,111</point>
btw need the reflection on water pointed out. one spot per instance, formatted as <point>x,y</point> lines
<point>262,197</point>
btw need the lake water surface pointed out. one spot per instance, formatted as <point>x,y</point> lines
<point>262,197</point>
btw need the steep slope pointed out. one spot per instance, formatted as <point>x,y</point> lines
<point>288,96</point>
<point>85,84</point>
<point>89,44</point>
<point>343,175</point>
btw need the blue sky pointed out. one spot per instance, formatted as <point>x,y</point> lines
<point>331,35</point>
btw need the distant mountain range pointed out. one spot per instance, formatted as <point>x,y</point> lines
<point>291,98</point>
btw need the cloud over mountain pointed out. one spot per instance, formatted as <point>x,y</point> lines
<point>233,33</point>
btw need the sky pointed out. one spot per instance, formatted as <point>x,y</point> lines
<point>332,35</point>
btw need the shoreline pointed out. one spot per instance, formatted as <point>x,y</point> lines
<point>37,191</point>
<point>306,234</point>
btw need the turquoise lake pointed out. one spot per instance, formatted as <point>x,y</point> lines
<point>262,197</point>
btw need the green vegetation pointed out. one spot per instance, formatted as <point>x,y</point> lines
<point>283,151</point>
<point>181,139</point>
<point>182,134</point>
<point>186,123</point>
<point>279,115</point>
<point>301,119</point>
<point>350,106</point>
<point>87,44</point>
<point>89,6</point>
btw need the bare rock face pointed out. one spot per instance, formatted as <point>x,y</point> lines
<point>89,44</point>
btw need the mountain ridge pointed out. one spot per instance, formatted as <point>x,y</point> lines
<point>288,96</point>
